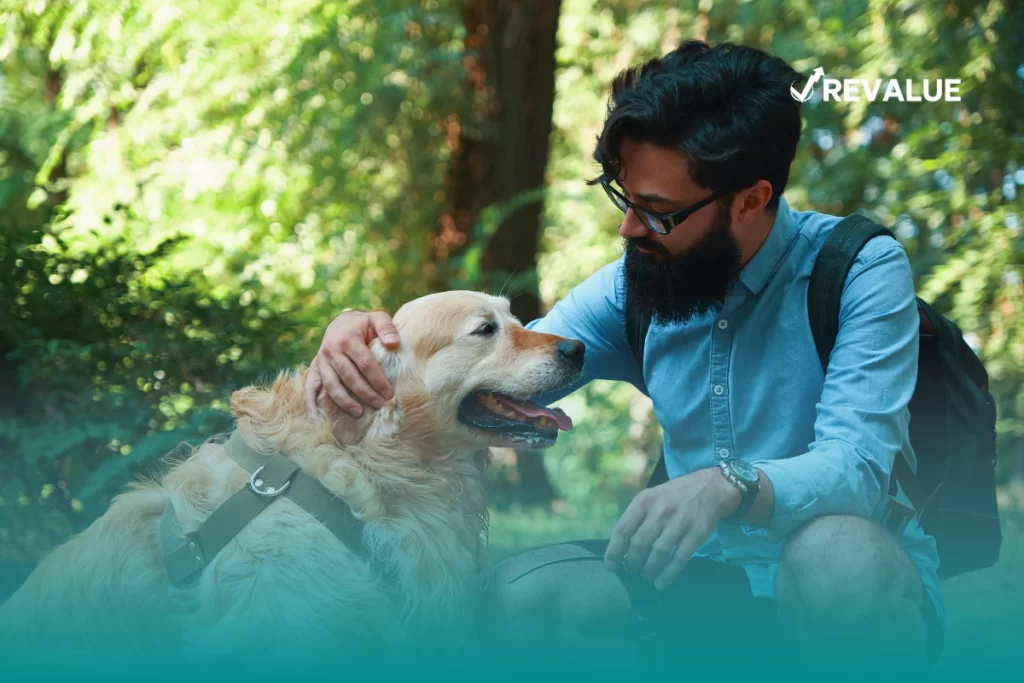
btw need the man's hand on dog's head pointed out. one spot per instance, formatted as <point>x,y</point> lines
<point>344,367</point>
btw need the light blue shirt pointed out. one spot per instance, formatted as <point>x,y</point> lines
<point>745,380</point>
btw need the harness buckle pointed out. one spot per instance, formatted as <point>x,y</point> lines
<point>267,492</point>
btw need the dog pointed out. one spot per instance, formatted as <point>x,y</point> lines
<point>411,473</point>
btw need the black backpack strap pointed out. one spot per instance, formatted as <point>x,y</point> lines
<point>829,276</point>
<point>637,326</point>
<point>824,294</point>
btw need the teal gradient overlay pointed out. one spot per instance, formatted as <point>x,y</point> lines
<point>744,652</point>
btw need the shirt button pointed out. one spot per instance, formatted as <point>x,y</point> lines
<point>723,453</point>
<point>719,389</point>
<point>722,324</point>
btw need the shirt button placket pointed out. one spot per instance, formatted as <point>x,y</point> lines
<point>721,423</point>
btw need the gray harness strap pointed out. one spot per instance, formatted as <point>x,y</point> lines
<point>185,555</point>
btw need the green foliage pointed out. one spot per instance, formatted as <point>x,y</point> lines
<point>190,192</point>
<point>114,368</point>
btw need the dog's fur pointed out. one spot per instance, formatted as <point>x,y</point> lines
<point>410,471</point>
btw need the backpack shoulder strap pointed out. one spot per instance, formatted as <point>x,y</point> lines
<point>831,268</point>
<point>637,326</point>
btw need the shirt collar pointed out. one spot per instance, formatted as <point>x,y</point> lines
<point>759,269</point>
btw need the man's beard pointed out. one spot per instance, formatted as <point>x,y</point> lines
<point>687,285</point>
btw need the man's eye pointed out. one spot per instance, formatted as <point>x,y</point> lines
<point>486,330</point>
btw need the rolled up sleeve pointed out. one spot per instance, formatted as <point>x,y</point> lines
<point>862,418</point>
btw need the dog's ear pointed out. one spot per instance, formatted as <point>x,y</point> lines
<point>373,424</point>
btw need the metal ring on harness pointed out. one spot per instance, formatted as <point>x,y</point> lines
<point>268,492</point>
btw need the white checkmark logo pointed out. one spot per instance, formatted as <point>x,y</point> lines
<point>808,87</point>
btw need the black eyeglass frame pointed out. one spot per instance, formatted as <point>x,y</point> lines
<point>668,221</point>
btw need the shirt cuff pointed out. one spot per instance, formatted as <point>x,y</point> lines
<point>793,504</point>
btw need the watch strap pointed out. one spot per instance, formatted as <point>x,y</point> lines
<point>748,493</point>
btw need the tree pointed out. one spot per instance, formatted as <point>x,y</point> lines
<point>502,145</point>
<point>500,153</point>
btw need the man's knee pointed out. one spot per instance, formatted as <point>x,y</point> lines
<point>845,568</point>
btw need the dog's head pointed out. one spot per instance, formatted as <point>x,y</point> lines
<point>462,377</point>
<point>479,366</point>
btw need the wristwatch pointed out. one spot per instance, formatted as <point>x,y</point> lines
<point>744,477</point>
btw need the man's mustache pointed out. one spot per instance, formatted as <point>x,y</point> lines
<point>649,246</point>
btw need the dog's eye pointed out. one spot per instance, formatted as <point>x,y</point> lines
<point>486,330</point>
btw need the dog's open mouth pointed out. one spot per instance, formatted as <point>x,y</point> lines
<point>515,418</point>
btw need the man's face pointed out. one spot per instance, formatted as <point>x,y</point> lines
<point>676,276</point>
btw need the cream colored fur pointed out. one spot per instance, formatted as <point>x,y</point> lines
<point>410,471</point>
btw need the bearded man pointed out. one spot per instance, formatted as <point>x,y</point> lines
<point>765,530</point>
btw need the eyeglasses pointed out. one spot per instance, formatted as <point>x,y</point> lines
<point>661,223</point>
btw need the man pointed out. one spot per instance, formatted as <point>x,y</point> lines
<point>696,151</point>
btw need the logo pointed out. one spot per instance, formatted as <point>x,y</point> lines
<point>854,90</point>
<point>808,86</point>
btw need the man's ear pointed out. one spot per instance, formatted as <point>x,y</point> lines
<point>373,424</point>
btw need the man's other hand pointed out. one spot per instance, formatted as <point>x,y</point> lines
<point>679,514</point>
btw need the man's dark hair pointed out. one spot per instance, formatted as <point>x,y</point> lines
<point>728,109</point>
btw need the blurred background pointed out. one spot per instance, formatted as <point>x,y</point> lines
<point>190,190</point>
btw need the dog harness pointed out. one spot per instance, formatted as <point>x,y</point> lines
<point>186,554</point>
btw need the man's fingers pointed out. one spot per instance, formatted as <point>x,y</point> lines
<point>385,329</point>
<point>312,386</point>
<point>355,383</point>
<point>378,389</point>
<point>640,545</point>
<point>685,549</point>
<point>661,551</point>
<point>336,390</point>
<point>631,520</point>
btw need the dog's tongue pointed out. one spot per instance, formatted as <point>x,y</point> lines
<point>535,412</point>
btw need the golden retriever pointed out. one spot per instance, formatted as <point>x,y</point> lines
<point>411,472</point>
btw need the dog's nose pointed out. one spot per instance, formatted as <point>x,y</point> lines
<point>572,351</point>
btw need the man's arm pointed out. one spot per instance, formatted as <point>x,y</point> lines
<point>862,418</point>
<point>594,313</point>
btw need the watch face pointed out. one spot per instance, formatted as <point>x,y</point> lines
<point>744,471</point>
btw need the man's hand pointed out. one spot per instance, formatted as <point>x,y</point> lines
<point>344,365</point>
<point>679,514</point>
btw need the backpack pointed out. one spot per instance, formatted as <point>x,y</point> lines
<point>953,415</point>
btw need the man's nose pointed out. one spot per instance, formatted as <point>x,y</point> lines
<point>632,226</point>
<point>572,350</point>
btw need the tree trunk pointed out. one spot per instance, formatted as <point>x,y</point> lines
<point>502,147</point>
<point>499,155</point>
